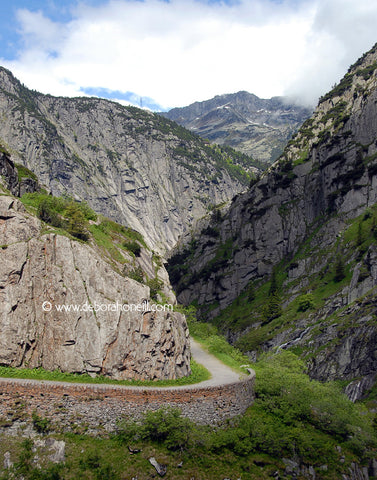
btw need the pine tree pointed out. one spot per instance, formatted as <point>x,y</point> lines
<point>359,238</point>
<point>339,269</point>
<point>273,307</point>
<point>273,285</point>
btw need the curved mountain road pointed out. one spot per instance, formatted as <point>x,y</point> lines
<point>221,374</point>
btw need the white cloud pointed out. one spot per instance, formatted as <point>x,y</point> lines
<point>181,51</point>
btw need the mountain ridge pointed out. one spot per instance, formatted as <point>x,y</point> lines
<point>131,165</point>
<point>286,253</point>
<point>258,127</point>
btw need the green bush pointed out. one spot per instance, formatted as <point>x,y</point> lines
<point>133,246</point>
<point>98,467</point>
<point>155,285</point>
<point>41,425</point>
<point>48,212</point>
<point>305,302</point>
<point>62,212</point>
<point>272,308</point>
<point>76,222</point>
<point>136,274</point>
<point>165,426</point>
<point>88,213</point>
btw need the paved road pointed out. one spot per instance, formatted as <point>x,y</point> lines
<point>220,375</point>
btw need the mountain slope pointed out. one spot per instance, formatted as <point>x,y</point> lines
<point>52,264</point>
<point>251,268</point>
<point>258,127</point>
<point>131,165</point>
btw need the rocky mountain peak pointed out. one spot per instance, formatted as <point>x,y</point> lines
<point>8,81</point>
<point>255,126</point>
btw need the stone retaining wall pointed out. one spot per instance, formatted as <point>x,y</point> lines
<point>98,407</point>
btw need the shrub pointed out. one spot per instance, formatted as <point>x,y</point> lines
<point>76,223</point>
<point>165,426</point>
<point>136,274</point>
<point>133,247</point>
<point>155,286</point>
<point>305,302</point>
<point>88,213</point>
<point>95,464</point>
<point>41,425</point>
<point>272,309</point>
<point>47,212</point>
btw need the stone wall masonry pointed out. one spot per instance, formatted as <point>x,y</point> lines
<point>99,407</point>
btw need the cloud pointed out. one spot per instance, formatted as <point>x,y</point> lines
<point>341,31</point>
<point>181,51</point>
<point>125,98</point>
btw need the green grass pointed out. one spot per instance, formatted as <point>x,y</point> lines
<point>99,458</point>
<point>198,374</point>
<point>209,338</point>
<point>104,241</point>
<point>24,172</point>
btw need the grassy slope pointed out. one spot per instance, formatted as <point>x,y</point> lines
<point>198,374</point>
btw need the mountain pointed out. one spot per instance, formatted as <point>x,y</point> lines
<point>292,263</point>
<point>131,165</point>
<point>53,263</point>
<point>289,268</point>
<point>257,127</point>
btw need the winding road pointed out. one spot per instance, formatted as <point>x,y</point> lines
<point>221,374</point>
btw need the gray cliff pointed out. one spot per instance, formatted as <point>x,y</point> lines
<point>296,216</point>
<point>131,165</point>
<point>41,271</point>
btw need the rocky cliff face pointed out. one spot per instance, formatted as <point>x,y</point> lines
<point>133,166</point>
<point>295,221</point>
<point>16,181</point>
<point>109,327</point>
<point>258,127</point>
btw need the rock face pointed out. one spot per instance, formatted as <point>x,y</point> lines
<point>269,222</point>
<point>10,177</point>
<point>325,178</point>
<point>258,127</point>
<point>41,271</point>
<point>131,165</point>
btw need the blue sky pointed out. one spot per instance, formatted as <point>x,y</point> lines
<point>172,53</point>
